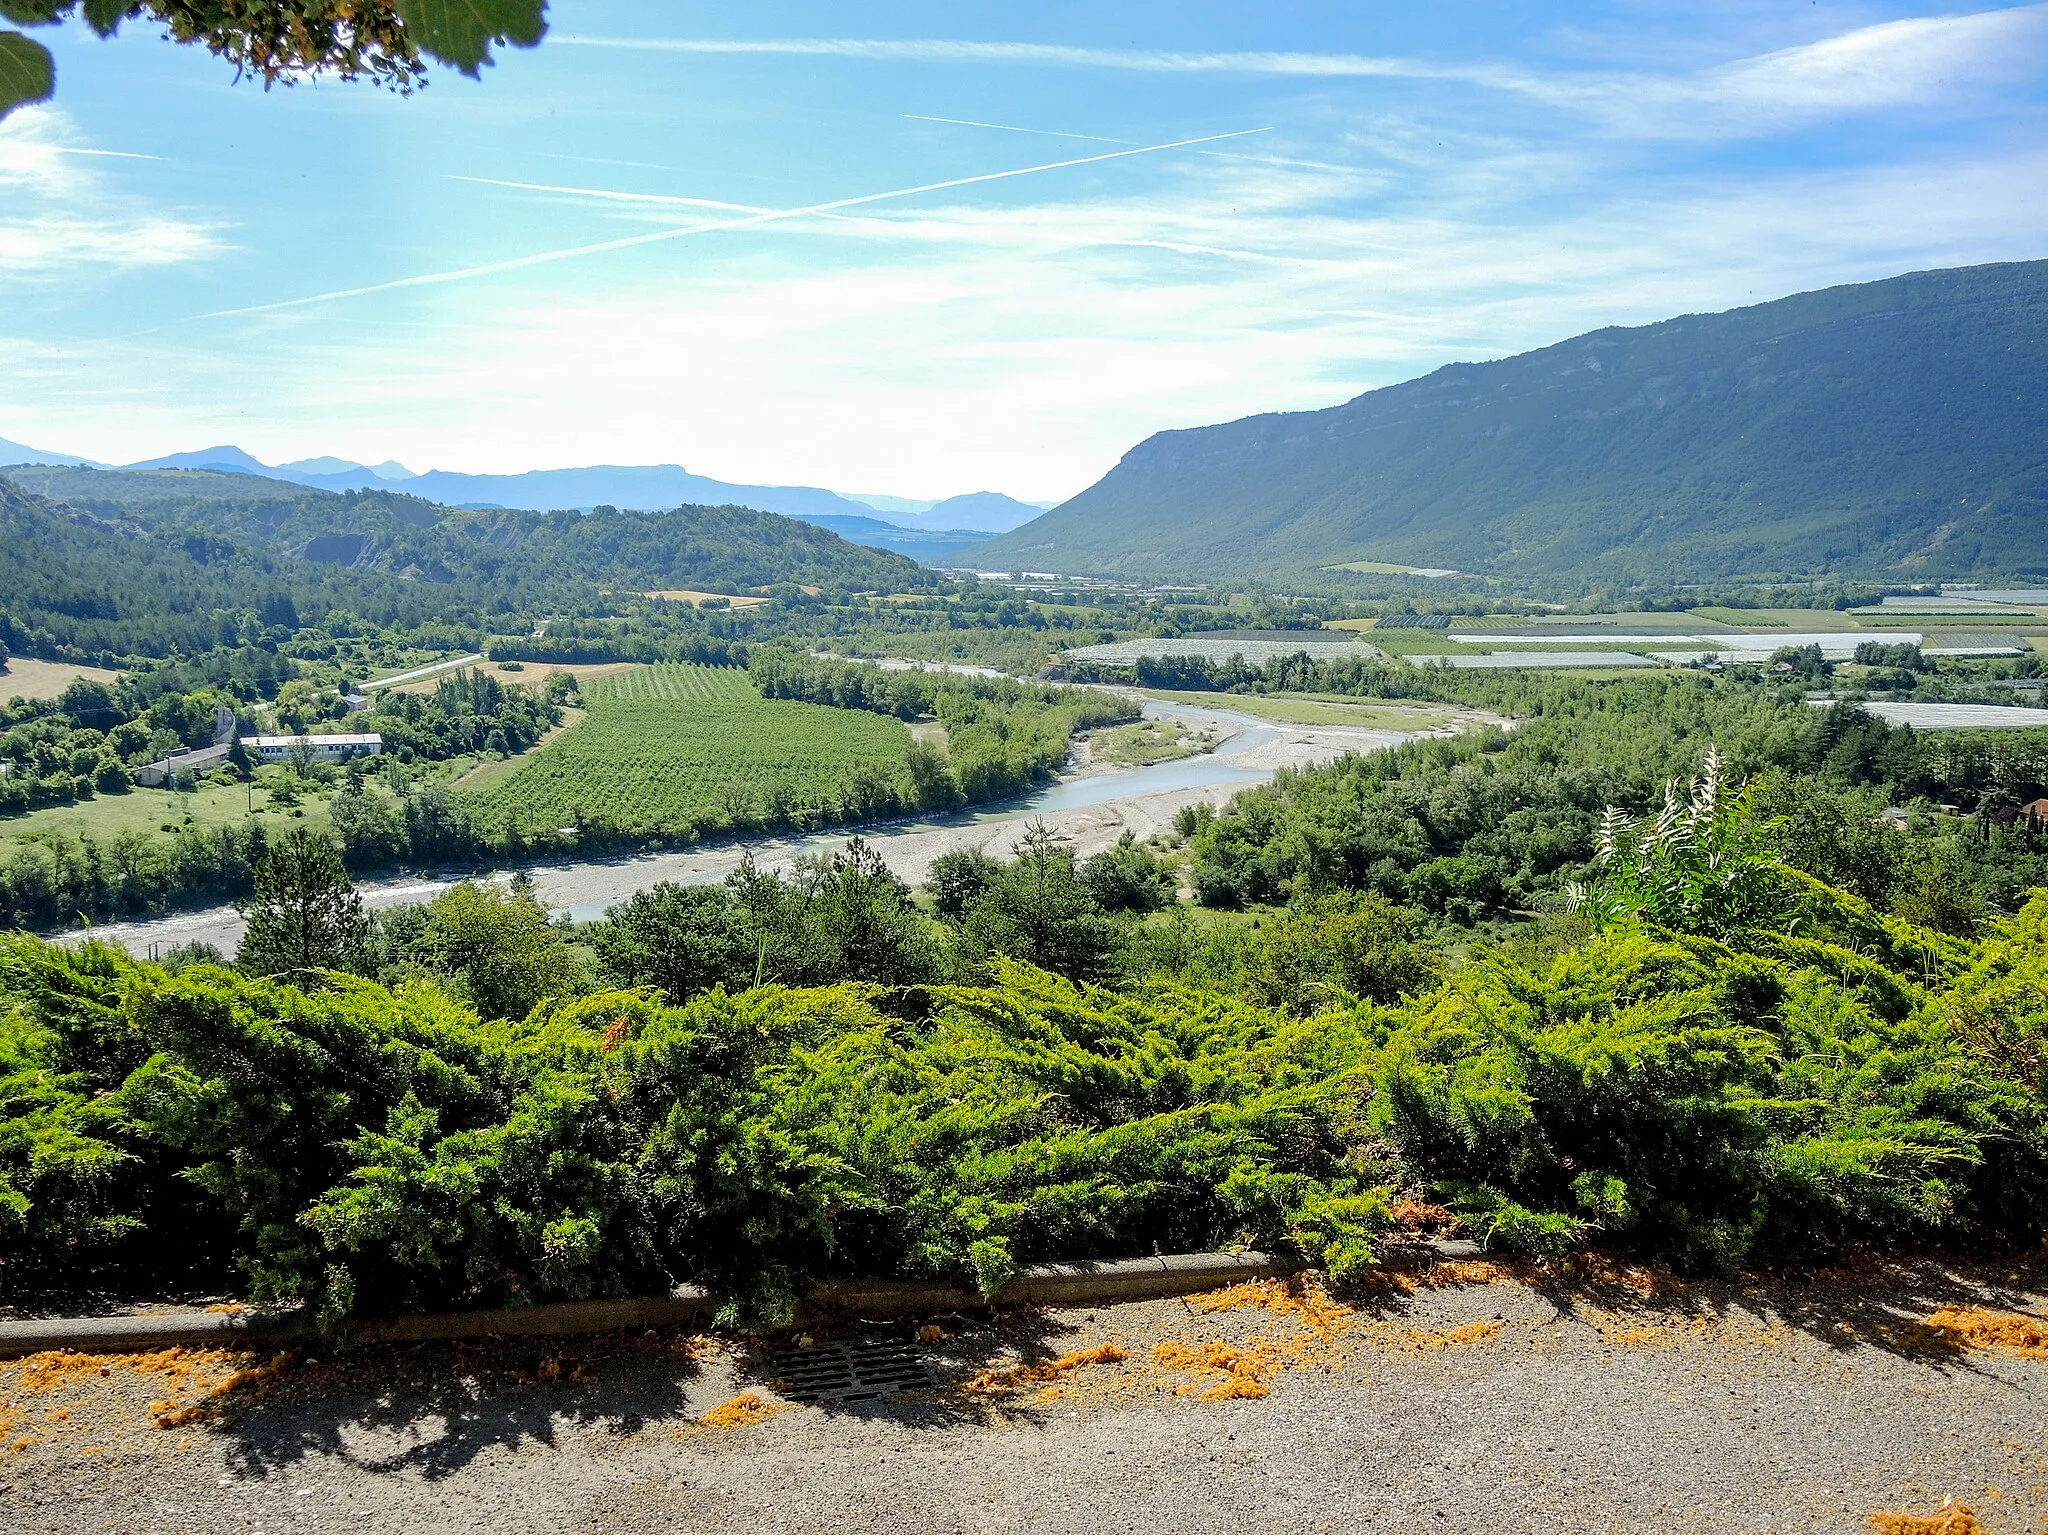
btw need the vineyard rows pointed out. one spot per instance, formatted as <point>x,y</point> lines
<point>674,749</point>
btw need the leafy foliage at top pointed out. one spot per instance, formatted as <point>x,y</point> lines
<point>283,41</point>
<point>1888,427</point>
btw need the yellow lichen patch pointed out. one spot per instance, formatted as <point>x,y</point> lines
<point>746,1408</point>
<point>1971,1327</point>
<point>1954,1519</point>
<point>1300,1297</point>
<point>1228,1371</point>
<point>1017,1376</point>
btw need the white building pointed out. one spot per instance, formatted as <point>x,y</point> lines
<point>323,748</point>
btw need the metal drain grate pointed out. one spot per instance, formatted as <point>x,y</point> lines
<point>850,1372</point>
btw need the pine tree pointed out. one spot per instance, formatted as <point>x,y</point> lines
<point>305,914</point>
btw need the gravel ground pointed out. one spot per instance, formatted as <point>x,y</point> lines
<point>1478,1400</point>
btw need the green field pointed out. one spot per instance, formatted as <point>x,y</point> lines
<point>675,748</point>
<point>148,811</point>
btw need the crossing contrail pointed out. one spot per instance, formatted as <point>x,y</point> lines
<point>753,220</point>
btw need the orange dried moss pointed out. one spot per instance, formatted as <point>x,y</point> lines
<point>1015,1377</point>
<point>196,1382</point>
<point>57,1369</point>
<point>746,1408</point>
<point>1954,1519</point>
<point>254,1382</point>
<point>1415,1215</point>
<point>1971,1327</point>
<point>1453,1337</point>
<point>1233,1372</point>
<point>1301,1297</point>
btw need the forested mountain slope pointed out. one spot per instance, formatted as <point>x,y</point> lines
<point>155,562</point>
<point>726,546</point>
<point>1888,428</point>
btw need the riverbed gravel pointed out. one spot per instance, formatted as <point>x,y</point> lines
<point>1477,1399</point>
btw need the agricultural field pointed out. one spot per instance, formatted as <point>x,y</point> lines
<point>677,748</point>
<point>1315,709</point>
<point>25,677</point>
<point>525,674</point>
<point>140,811</point>
<point>1256,649</point>
<point>698,599</point>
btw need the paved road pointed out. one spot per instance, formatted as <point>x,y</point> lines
<point>1478,1406</point>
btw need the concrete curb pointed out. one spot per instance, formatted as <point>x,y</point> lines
<point>1051,1284</point>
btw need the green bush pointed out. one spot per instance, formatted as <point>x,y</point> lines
<point>1773,1094</point>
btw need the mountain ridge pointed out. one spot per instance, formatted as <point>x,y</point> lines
<point>1892,428</point>
<point>631,487</point>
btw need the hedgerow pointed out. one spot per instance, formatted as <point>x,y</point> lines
<point>1771,1094</point>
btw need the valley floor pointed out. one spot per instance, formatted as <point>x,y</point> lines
<point>1088,811</point>
<point>1478,1399</point>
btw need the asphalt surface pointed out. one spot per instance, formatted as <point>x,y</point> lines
<point>1478,1402</point>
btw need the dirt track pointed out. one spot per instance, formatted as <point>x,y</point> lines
<point>1481,1403</point>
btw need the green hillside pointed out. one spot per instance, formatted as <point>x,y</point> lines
<point>1896,428</point>
<point>723,547</point>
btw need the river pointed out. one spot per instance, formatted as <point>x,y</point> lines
<point>1087,810</point>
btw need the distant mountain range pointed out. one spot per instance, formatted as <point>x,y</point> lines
<point>938,526</point>
<point>1894,429</point>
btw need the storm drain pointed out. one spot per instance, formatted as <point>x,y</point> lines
<point>830,1373</point>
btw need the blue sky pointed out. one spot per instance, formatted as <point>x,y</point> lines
<point>1427,184</point>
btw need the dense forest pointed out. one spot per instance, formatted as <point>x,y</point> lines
<point>185,569</point>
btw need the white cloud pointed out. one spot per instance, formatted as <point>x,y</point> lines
<point>58,214</point>
<point>1026,348</point>
<point>1917,62</point>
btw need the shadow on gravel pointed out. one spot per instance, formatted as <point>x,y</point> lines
<point>431,1409</point>
<point>1884,1306</point>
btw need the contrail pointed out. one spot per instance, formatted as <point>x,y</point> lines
<point>615,197</point>
<point>1096,138</point>
<point>541,258</point>
<point>102,154</point>
<point>1050,133</point>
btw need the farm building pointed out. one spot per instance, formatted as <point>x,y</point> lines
<point>324,748</point>
<point>202,759</point>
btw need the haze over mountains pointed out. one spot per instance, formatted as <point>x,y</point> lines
<point>1890,429</point>
<point>629,487</point>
